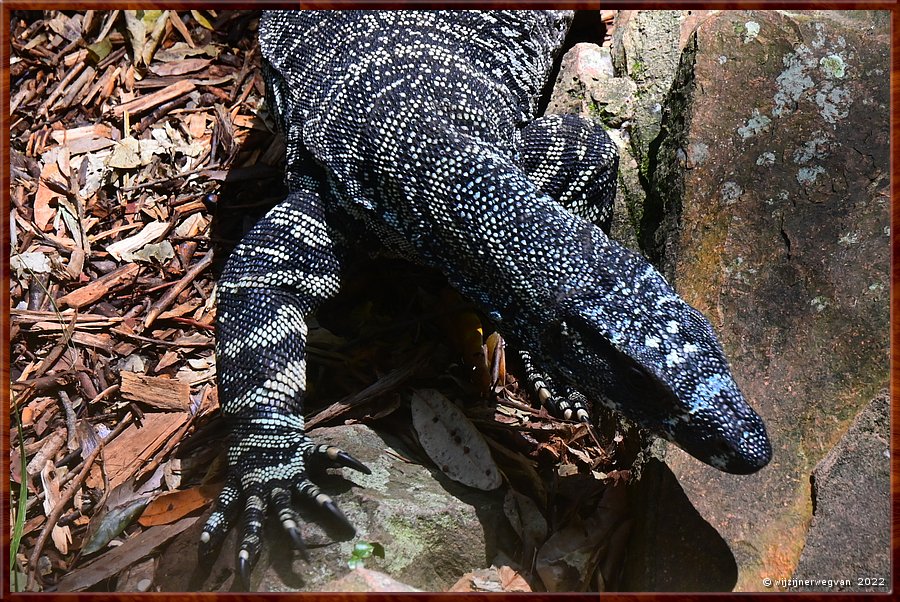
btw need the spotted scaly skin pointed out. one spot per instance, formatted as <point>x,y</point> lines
<point>417,131</point>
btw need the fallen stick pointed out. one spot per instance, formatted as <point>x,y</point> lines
<point>151,101</point>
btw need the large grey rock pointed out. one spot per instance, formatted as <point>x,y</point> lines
<point>852,506</point>
<point>587,85</point>
<point>432,529</point>
<point>771,193</point>
<point>646,48</point>
<point>624,88</point>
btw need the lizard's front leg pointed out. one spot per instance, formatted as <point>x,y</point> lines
<point>279,273</point>
<point>574,162</point>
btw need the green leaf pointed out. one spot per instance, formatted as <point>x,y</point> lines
<point>99,50</point>
<point>203,21</point>
<point>362,550</point>
<point>17,579</point>
<point>114,523</point>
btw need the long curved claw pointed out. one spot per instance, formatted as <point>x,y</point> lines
<point>308,490</point>
<point>345,459</point>
<point>244,565</point>
<point>297,542</point>
<point>335,456</point>
<point>281,503</point>
<point>336,512</point>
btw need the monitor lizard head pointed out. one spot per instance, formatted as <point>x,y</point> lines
<point>634,345</point>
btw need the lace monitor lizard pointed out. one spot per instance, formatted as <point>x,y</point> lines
<point>417,130</point>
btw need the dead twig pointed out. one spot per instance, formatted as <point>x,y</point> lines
<point>385,384</point>
<point>143,104</point>
<point>100,287</point>
<point>170,295</point>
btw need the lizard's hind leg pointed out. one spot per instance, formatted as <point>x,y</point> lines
<point>573,161</point>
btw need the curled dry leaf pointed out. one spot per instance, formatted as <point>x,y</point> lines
<point>47,195</point>
<point>452,441</point>
<point>111,523</point>
<point>125,248</point>
<point>180,67</point>
<point>525,518</point>
<point>174,505</point>
<point>61,536</point>
<point>504,579</point>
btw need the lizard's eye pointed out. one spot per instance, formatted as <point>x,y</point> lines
<point>636,372</point>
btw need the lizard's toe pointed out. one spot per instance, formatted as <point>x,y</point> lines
<point>309,490</point>
<point>578,404</point>
<point>251,532</point>
<point>335,456</point>
<point>220,521</point>
<point>290,520</point>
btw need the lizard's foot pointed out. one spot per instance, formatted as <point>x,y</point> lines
<point>266,472</point>
<point>571,405</point>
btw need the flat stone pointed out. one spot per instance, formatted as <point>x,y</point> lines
<point>852,505</point>
<point>365,580</point>
<point>432,529</point>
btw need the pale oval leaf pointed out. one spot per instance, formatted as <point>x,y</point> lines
<point>452,441</point>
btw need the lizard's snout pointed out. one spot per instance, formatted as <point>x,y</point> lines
<point>754,451</point>
<point>742,450</point>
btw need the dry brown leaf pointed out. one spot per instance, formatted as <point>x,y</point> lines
<point>43,211</point>
<point>84,139</point>
<point>452,441</point>
<point>61,536</point>
<point>493,579</point>
<point>124,249</point>
<point>573,554</point>
<point>196,125</point>
<point>525,518</point>
<point>512,580</point>
<point>169,358</point>
<point>179,67</point>
<point>174,505</point>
